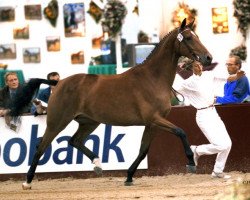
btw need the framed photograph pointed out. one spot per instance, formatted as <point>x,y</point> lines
<point>77,58</point>
<point>31,55</point>
<point>53,43</point>
<point>33,12</point>
<point>97,42</point>
<point>21,33</point>
<point>7,14</point>
<point>7,51</point>
<point>74,19</point>
<point>220,20</point>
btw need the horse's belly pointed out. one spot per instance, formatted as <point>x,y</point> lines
<point>118,118</point>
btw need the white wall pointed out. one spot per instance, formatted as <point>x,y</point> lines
<point>219,45</point>
<point>153,16</point>
<point>39,30</point>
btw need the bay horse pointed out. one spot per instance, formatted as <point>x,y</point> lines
<point>140,96</point>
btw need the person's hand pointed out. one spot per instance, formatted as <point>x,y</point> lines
<point>3,112</point>
<point>215,100</point>
<point>240,74</point>
<point>236,76</point>
<point>36,102</point>
<point>40,108</point>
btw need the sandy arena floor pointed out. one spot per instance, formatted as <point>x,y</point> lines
<point>176,187</point>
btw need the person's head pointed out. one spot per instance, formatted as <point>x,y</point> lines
<point>11,80</point>
<point>53,76</point>
<point>197,68</point>
<point>194,66</point>
<point>233,64</point>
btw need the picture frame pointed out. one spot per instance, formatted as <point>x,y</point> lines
<point>74,19</point>
<point>77,58</point>
<point>97,42</point>
<point>31,55</point>
<point>53,43</point>
<point>33,12</point>
<point>21,33</point>
<point>7,51</point>
<point>7,14</point>
<point>220,20</point>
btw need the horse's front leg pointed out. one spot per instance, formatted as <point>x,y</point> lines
<point>43,145</point>
<point>166,125</point>
<point>145,143</point>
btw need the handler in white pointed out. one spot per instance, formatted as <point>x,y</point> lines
<point>199,90</point>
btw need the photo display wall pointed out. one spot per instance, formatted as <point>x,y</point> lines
<point>73,22</point>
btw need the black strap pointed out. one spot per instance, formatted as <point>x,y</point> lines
<point>176,92</point>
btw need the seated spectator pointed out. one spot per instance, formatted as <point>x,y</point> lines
<point>40,103</point>
<point>8,92</point>
<point>236,89</point>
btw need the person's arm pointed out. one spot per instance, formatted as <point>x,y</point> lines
<point>237,95</point>
<point>226,100</point>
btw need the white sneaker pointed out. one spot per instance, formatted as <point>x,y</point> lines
<point>196,156</point>
<point>220,175</point>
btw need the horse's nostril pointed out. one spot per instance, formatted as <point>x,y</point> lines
<point>209,58</point>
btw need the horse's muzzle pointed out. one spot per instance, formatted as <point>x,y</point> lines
<point>206,59</point>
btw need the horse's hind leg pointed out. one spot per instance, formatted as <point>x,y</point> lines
<point>145,143</point>
<point>83,131</point>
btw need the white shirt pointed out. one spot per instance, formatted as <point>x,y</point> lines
<point>199,89</point>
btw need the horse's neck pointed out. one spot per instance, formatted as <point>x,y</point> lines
<point>163,63</point>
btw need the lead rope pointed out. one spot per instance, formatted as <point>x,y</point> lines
<point>176,92</point>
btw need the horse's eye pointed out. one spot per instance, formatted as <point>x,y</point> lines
<point>188,38</point>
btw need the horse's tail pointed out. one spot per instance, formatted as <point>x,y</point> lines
<point>25,95</point>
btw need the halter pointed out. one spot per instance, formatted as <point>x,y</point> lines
<point>181,38</point>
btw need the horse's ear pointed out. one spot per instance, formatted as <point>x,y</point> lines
<point>191,24</point>
<point>183,23</point>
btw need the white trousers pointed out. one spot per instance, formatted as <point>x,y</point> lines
<point>215,131</point>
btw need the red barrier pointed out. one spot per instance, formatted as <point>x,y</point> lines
<point>166,154</point>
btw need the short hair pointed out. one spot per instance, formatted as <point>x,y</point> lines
<point>8,74</point>
<point>52,74</point>
<point>237,60</point>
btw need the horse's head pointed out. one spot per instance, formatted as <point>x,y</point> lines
<point>189,45</point>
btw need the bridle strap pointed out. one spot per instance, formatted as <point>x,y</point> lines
<point>181,38</point>
<point>176,92</point>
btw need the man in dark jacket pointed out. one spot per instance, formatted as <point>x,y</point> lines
<point>8,92</point>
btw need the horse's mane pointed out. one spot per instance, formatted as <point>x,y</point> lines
<point>155,49</point>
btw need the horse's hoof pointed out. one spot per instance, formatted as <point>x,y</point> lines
<point>98,170</point>
<point>191,168</point>
<point>26,186</point>
<point>128,183</point>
